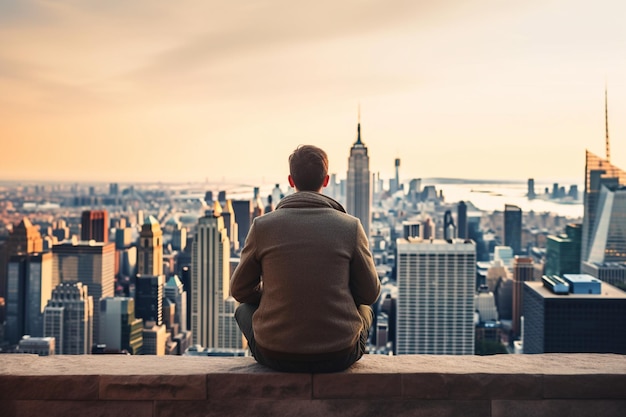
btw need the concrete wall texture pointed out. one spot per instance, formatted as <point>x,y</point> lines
<point>411,385</point>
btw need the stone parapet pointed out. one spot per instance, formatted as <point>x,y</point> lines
<point>411,385</point>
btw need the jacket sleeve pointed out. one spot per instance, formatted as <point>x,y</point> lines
<point>364,282</point>
<point>245,284</point>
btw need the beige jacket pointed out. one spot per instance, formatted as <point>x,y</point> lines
<point>316,268</point>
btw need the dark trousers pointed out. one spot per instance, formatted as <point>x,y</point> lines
<point>243,316</point>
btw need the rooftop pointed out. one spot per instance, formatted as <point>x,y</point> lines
<point>416,244</point>
<point>607,292</point>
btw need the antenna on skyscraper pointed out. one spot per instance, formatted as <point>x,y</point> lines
<point>358,128</point>
<point>606,123</point>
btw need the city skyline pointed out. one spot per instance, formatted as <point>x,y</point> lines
<point>220,91</point>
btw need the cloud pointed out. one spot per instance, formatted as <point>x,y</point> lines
<point>160,48</point>
<point>259,27</point>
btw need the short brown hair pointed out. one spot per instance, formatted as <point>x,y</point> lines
<point>308,166</point>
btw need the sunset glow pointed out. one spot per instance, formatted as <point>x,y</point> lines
<point>168,91</point>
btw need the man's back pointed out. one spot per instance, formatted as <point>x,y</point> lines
<point>306,278</point>
<point>316,270</point>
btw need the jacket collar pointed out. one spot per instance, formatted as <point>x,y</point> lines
<point>309,199</point>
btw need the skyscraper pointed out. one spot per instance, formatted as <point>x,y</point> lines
<point>154,339</point>
<point>513,228</point>
<point>230,223</point>
<point>120,329</point>
<point>149,298</point>
<point>608,240</point>
<point>603,247</point>
<point>428,228</point>
<point>149,308</point>
<point>415,190</point>
<point>175,292</point>
<point>179,237</point>
<point>397,167</point>
<point>531,189</point>
<point>258,208</point>
<point>123,238</point>
<point>522,271</point>
<point>574,322</point>
<point>358,187</point>
<point>25,238</point>
<point>185,278</point>
<point>68,318</point>
<point>93,264</point>
<point>436,283</point>
<point>449,229</point>
<point>212,308</point>
<point>208,197</point>
<point>243,210</point>
<point>485,302</point>
<point>563,251</point>
<point>29,286</point>
<point>599,173</point>
<point>150,250</point>
<point>504,254</point>
<point>95,225</point>
<point>613,273</point>
<point>461,219</point>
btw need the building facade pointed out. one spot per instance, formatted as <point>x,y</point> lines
<point>212,308</point>
<point>608,239</point>
<point>29,287</point>
<point>25,238</point>
<point>68,318</point>
<point>566,322</point>
<point>243,210</point>
<point>150,248</point>
<point>436,284</point>
<point>120,329</point>
<point>94,226</point>
<point>175,292</point>
<point>599,173</point>
<point>513,228</point>
<point>523,270</point>
<point>613,273</point>
<point>93,264</point>
<point>461,219</point>
<point>149,298</point>
<point>179,238</point>
<point>230,223</point>
<point>154,339</point>
<point>563,251</point>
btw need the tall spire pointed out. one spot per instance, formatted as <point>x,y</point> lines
<point>606,123</point>
<point>358,128</point>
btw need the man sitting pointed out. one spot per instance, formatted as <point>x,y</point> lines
<point>306,278</point>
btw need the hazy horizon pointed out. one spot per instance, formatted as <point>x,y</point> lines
<point>252,182</point>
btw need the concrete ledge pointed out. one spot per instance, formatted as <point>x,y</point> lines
<point>412,385</point>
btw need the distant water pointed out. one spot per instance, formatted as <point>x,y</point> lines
<point>487,195</point>
<point>491,196</point>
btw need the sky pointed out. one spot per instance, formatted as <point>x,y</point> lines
<point>195,90</point>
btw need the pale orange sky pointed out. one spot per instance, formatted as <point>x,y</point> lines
<point>151,90</point>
